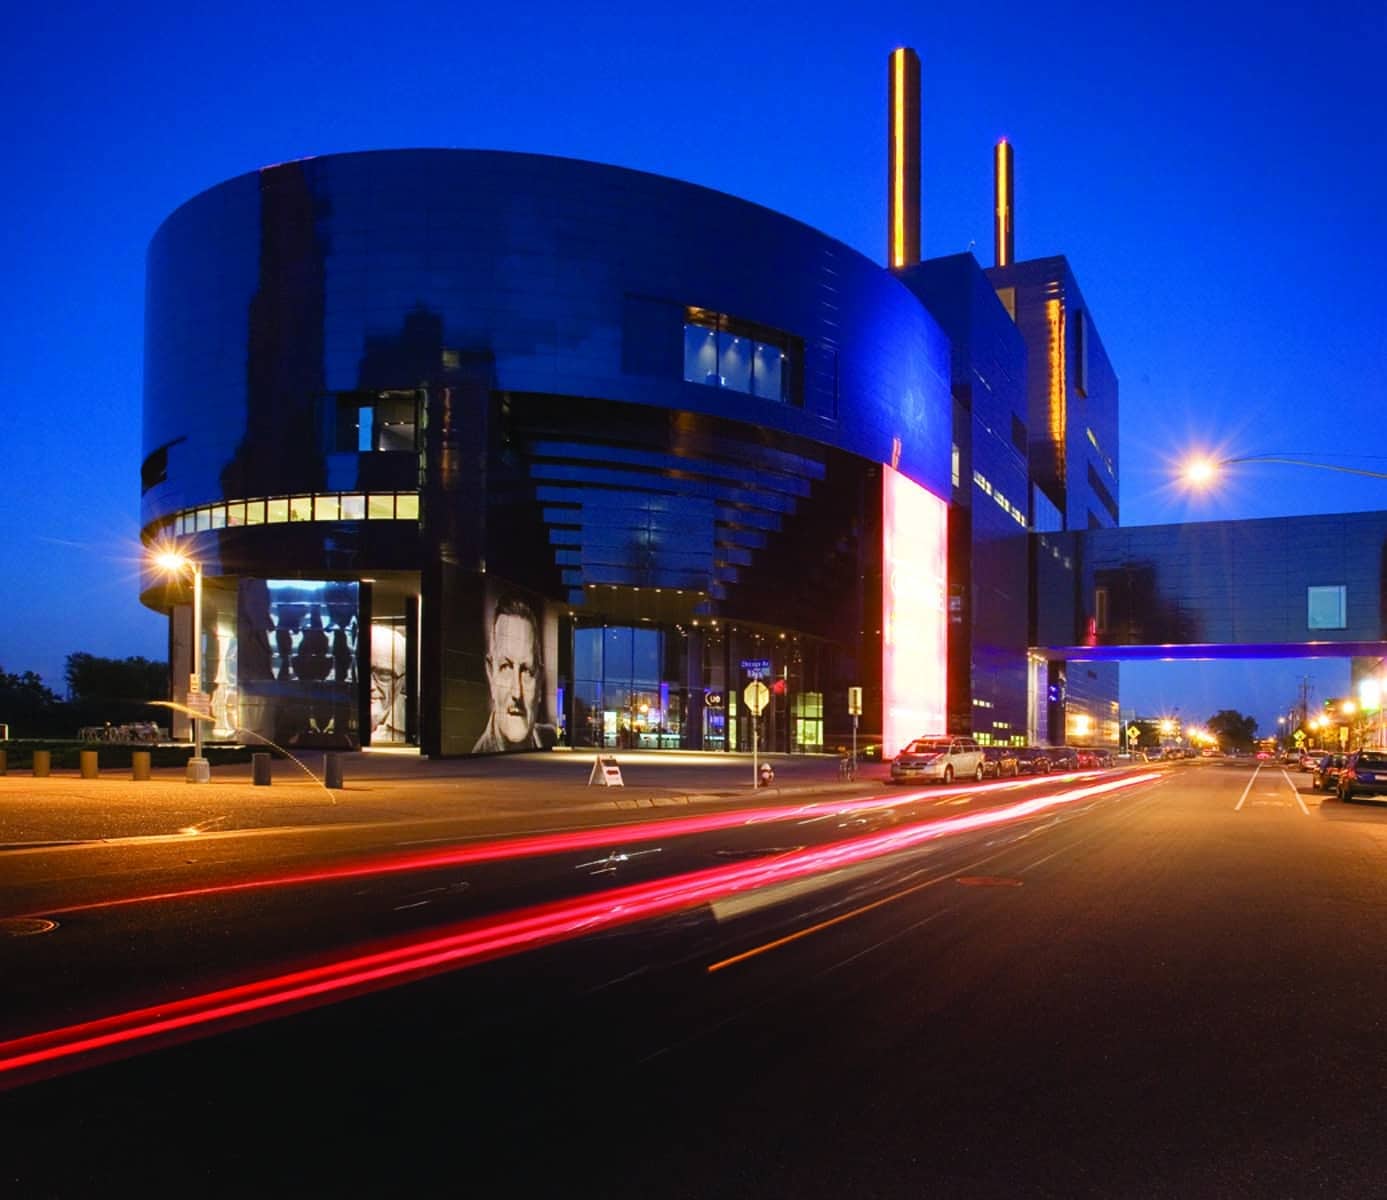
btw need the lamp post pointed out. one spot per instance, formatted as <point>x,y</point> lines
<point>171,560</point>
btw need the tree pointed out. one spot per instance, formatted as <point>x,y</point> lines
<point>1234,729</point>
<point>91,679</point>
<point>25,698</point>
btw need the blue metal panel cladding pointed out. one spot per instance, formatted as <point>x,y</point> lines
<point>366,271</point>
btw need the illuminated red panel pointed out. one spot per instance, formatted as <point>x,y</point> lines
<point>914,620</point>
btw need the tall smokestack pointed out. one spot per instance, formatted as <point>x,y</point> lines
<point>1003,235</point>
<point>903,159</point>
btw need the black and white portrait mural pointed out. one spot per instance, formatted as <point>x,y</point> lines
<point>388,670</point>
<point>521,637</point>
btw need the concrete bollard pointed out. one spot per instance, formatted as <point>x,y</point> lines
<point>43,763</point>
<point>332,770</point>
<point>139,764</point>
<point>89,766</point>
<point>260,770</point>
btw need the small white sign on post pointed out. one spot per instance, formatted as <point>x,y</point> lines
<point>605,772</point>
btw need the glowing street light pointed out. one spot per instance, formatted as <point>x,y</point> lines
<point>1201,471</point>
<point>175,563</point>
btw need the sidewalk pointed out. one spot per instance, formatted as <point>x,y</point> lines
<point>516,794</point>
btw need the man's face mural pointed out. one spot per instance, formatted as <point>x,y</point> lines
<point>513,671</point>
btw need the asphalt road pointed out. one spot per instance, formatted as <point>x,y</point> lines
<point>1171,989</point>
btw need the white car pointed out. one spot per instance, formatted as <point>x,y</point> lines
<point>942,758</point>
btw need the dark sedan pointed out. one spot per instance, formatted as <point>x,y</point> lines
<point>1000,762</point>
<point>1063,758</point>
<point>1032,760</point>
<point>1364,774</point>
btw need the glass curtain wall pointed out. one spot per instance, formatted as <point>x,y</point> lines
<point>660,688</point>
<point>627,688</point>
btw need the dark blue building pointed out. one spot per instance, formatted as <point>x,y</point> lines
<point>484,450</point>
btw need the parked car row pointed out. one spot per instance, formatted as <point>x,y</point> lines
<point>948,758</point>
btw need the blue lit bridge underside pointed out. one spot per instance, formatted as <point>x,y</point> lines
<point>1214,652</point>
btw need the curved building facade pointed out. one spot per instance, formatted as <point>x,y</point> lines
<point>485,451</point>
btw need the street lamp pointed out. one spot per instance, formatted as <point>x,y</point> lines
<point>1201,471</point>
<point>176,563</point>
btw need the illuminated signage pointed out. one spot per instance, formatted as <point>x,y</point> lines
<point>914,630</point>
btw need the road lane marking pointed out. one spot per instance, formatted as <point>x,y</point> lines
<point>1295,791</point>
<point>1238,806</point>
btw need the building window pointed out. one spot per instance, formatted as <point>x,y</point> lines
<point>368,422</point>
<point>955,466</point>
<point>1328,607</point>
<point>1100,610</point>
<point>722,351</point>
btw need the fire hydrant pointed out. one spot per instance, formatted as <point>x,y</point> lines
<point>767,774</point>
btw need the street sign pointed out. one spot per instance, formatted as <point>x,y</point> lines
<point>854,701</point>
<point>756,695</point>
<point>1299,736</point>
<point>1133,732</point>
<point>757,668</point>
<point>605,772</point>
<point>200,703</point>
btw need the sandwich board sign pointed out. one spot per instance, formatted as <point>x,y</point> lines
<point>606,772</point>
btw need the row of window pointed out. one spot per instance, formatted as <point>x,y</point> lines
<point>1327,608</point>
<point>1012,510</point>
<point>278,510</point>
<point>722,351</point>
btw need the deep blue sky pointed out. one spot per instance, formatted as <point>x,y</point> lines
<point>1215,173</point>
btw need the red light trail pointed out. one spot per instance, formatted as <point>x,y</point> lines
<point>529,847</point>
<point>477,941</point>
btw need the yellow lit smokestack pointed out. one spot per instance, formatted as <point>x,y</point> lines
<point>903,159</point>
<point>1003,176</point>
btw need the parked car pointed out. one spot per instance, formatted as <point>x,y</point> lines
<point>1364,773</point>
<point>1327,769</point>
<point>1000,762</point>
<point>1307,759</point>
<point>1032,760</point>
<point>942,758</point>
<point>1063,758</point>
